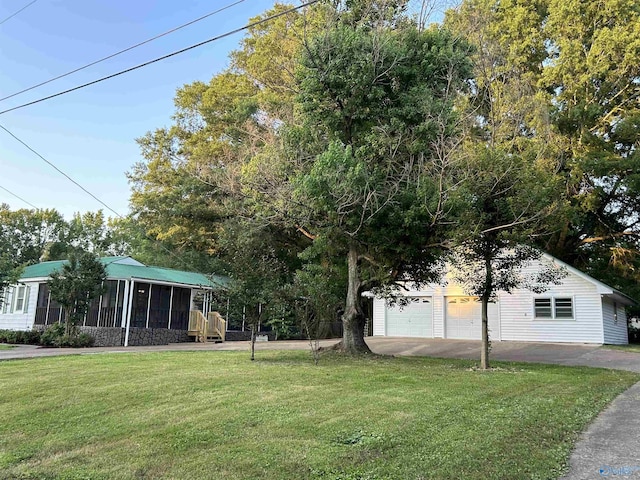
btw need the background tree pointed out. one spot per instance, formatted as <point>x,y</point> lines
<point>560,79</point>
<point>79,281</point>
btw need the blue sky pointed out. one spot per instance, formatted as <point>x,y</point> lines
<point>90,134</point>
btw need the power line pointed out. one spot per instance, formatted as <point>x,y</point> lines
<point>18,197</point>
<point>61,172</point>
<point>17,12</point>
<point>159,243</point>
<point>123,51</point>
<point>164,57</point>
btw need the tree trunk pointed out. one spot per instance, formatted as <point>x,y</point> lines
<point>488,290</point>
<point>253,342</point>
<point>484,353</point>
<point>353,320</point>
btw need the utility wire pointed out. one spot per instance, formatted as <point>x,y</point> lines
<point>18,197</point>
<point>158,242</point>
<point>164,57</point>
<point>60,171</point>
<point>123,51</point>
<point>16,13</point>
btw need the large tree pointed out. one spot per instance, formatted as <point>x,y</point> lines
<point>377,95</point>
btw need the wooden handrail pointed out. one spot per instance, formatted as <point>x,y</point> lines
<point>198,325</point>
<point>204,327</point>
<point>217,324</point>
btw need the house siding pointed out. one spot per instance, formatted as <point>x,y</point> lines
<point>21,321</point>
<point>378,317</point>
<point>614,333</point>
<point>517,313</point>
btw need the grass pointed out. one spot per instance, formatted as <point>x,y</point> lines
<point>201,415</point>
<point>6,347</point>
<point>632,347</point>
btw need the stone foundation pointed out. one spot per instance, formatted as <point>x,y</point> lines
<point>114,337</point>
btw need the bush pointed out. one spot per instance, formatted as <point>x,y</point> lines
<point>51,334</point>
<point>17,336</point>
<point>54,336</point>
<point>634,334</point>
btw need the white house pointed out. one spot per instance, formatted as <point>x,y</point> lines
<point>140,305</point>
<point>578,310</point>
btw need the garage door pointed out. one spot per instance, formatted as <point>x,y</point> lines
<point>412,320</point>
<point>464,318</point>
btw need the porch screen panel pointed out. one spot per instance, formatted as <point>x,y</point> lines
<point>91,320</point>
<point>120,304</point>
<point>160,304</point>
<point>41,305</point>
<point>140,305</point>
<point>108,310</point>
<point>180,309</point>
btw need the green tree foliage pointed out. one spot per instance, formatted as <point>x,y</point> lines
<point>75,285</point>
<point>561,79</point>
<point>195,190</point>
<point>376,95</point>
<point>506,200</point>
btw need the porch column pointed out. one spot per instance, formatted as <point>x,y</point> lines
<point>128,316</point>
<point>170,308</point>
<point>100,307</point>
<point>46,317</point>
<point>125,304</point>
<point>149,304</point>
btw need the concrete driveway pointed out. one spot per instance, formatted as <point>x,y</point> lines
<point>556,353</point>
<point>560,354</point>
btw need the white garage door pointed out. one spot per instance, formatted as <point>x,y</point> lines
<point>412,320</point>
<point>464,318</point>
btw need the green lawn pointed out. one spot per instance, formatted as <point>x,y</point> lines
<point>5,347</point>
<point>633,347</point>
<point>216,415</point>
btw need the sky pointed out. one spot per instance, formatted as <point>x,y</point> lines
<point>90,134</point>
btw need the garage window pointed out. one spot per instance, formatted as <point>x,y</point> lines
<point>550,308</point>
<point>543,308</point>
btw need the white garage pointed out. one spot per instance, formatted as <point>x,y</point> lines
<point>579,309</point>
<point>463,318</point>
<point>412,320</point>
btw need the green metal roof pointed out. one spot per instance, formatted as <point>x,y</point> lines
<point>125,268</point>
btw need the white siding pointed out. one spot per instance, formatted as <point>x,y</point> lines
<point>378,316</point>
<point>615,333</point>
<point>21,321</point>
<point>517,313</point>
<point>516,320</point>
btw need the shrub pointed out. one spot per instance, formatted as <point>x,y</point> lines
<point>53,332</point>
<point>54,336</point>
<point>16,336</point>
<point>634,334</point>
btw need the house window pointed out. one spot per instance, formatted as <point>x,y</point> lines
<point>9,300</point>
<point>21,299</point>
<point>543,308</point>
<point>559,308</point>
<point>564,307</point>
